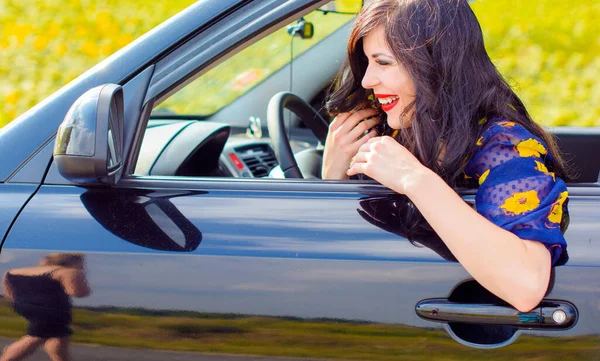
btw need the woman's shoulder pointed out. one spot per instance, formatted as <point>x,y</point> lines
<point>503,130</point>
<point>503,141</point>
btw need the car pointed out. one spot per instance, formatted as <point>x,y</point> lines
<point>210,231</point>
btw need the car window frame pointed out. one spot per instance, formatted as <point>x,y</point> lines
<point>195,57</point>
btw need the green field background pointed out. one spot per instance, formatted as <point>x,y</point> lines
<point>547,49</point>
<point>293,337</point>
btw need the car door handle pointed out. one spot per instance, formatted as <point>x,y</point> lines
<point>550,314</point>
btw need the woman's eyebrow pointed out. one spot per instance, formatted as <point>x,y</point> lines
<point>377,55</point>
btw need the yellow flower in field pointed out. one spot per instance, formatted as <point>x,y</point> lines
<point>81,31</point>
<point>484,176</point>
<point>40,43</point>
<point>61,49</point>
<point>53,30</point>
<point>530,148</point>
<point>21,32</point>
<point>108,49</point>
<point>542,168</point>
<point>482,121</point>
<point>521,202</point>
<point>124,39</point>
<point>90,49</point>
<point>12,114</point>
<point>103,17</point>
<point>11,98</point>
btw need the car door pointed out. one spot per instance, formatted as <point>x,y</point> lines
<point>286,268</point>
<point>283,269</point>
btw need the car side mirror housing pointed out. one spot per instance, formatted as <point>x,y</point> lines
<point>89,141</point>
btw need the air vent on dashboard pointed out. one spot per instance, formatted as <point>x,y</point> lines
<point>258,158</point>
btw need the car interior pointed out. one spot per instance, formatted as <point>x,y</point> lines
<point>230,137</point>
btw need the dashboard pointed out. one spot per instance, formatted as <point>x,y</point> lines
<point>201,148</point>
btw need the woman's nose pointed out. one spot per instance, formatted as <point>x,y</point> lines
<point>369,80</point>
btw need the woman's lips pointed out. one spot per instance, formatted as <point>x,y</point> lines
<point>389,106</point>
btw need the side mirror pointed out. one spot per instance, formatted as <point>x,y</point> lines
<point>89,141</point>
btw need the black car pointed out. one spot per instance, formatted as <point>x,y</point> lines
<point>198,205</point>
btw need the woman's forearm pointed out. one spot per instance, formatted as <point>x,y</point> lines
<point>515,270</point>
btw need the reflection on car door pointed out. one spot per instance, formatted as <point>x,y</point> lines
<point>281,269</point>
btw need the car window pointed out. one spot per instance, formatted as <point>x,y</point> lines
<point>551,61</point>
<point>203,129</point>
<point>238,74</point>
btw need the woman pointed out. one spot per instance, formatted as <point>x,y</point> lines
<point>450,120</point>
<point>41,294</point>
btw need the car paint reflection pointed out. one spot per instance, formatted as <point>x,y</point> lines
<point>365,275</point>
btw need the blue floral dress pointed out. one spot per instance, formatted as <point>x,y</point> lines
<point>516,191</point>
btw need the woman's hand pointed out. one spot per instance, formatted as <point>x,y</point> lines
<point>343,141</point>
<point>388,162</point>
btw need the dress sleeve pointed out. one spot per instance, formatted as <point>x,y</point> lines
<point>516,190</point>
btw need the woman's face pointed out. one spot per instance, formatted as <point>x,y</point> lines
<point>389,80</point>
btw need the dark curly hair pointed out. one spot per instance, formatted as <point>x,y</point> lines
<point>441,45</point>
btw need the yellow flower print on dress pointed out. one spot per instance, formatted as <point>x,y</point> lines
<point>520,202</point>
<point>483,176</point>
<point>556,211</point>
<point>542,168</point>
<point>530,148</point>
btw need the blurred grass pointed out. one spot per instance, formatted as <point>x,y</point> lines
<point>550,52</point>
<point>292,337</point>
<point>548,49</point>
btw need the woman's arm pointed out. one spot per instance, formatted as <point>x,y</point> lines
<point>75,283</point>
<point>516,270</point>
<point>513,269</point>
<point>6,289</point>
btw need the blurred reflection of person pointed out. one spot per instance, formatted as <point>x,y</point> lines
<point>42,295</point>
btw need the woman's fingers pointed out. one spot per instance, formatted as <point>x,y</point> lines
<point>356,117</point>
<point>338,121</point>
<point>356,168</point>
<point>364,140</point>
<point>360,157</point>
<point>363,127</point>
<point>365,148</point>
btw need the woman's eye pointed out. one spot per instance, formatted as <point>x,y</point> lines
<point>383,62</point>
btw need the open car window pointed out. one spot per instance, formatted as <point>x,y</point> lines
<point>215,126</point>
<point>241,72</point>
<point>217,123</point>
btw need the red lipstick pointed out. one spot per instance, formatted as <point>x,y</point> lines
<point>389,106</point>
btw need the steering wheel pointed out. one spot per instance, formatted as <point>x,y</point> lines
<point>275,123</point>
